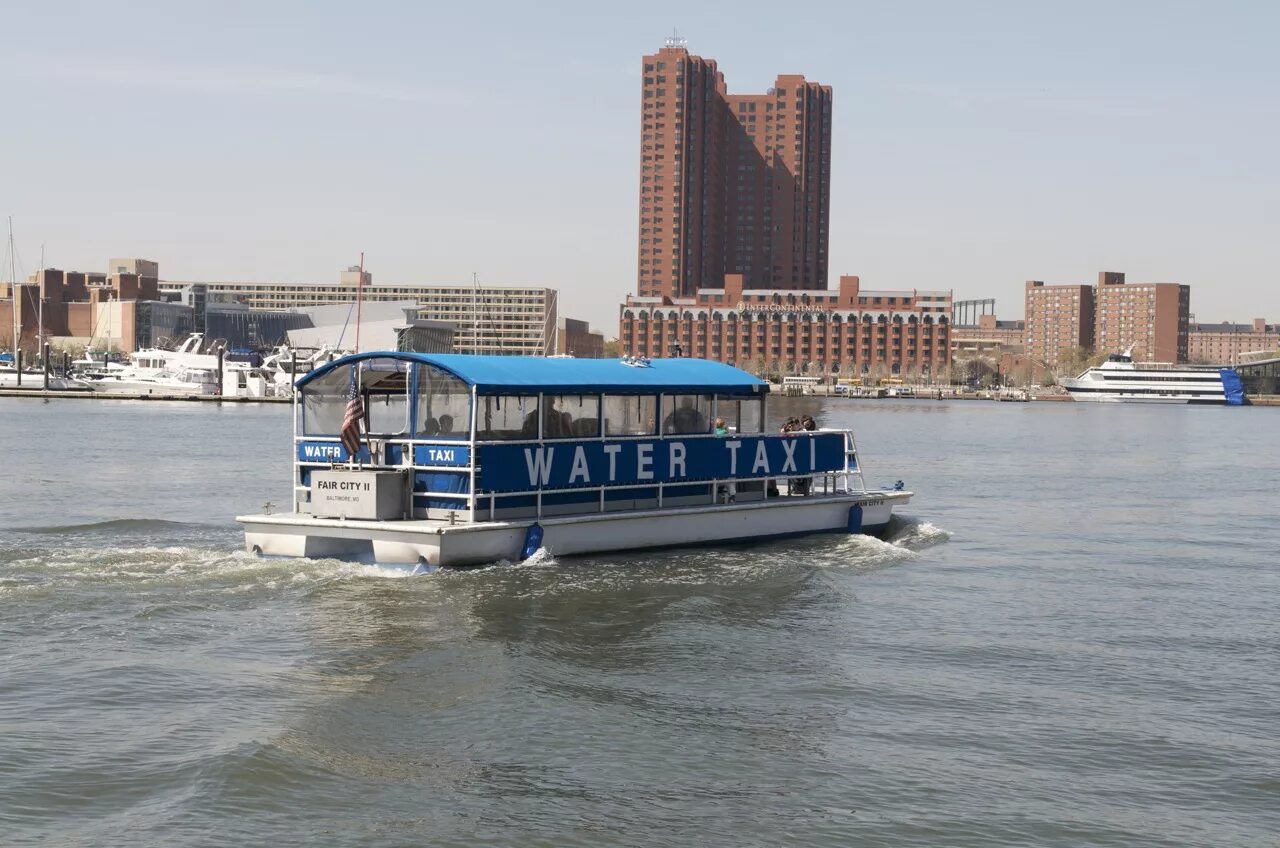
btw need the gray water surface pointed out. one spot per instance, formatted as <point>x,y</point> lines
<point>1070,639</point>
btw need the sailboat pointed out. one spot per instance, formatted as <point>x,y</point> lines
<point>29,378</point>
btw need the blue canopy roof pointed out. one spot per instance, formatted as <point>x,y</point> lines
<point>494,375</point>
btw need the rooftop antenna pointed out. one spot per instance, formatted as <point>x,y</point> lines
<point>674,40</point>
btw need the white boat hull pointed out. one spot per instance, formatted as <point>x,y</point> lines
<point>1101,397</point>
<point>438,543</point>
<point>116,386</point>
<point>35,381</point>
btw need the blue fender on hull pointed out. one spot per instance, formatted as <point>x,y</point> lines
<point>855,519</point>
<point>532,541</point>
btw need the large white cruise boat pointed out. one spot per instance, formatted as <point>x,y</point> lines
<point>1120,379</point>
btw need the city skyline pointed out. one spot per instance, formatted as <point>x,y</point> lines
<point>973,150</point>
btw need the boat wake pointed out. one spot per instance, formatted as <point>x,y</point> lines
<point>149,570</point>
<point>905,540</point>
<point>915,535</point>
<point>115,525</point>
<point>142,564</point>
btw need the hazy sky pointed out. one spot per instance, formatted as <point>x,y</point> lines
<point>976,145</point>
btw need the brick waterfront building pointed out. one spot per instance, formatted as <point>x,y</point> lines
<point>121,310</point>
<point>1107,318</point>
<point>988,337</point>
<point>1152,317</point>
<point>734,231</point>
<point>850,331</point>
<point>1057,319</point>
<point>1228,342</point>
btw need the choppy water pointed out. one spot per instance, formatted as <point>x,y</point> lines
<point>1071,640</point>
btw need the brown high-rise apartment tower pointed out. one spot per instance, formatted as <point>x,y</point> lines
<point>1059,321</point>
<point>1153,318</point>
<point>1107,318</point>
<point>731,184</point>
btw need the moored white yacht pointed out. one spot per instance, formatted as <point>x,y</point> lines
<point>33,378</point>
<point>181,381</point>
<point>184,371</point>
<point>1120,379</point>
<point>279,366</point>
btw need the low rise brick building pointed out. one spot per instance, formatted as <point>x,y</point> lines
<point>848,331</point>
<point>1227,342</point>
<point>989,337</point>
<point>576,338</point>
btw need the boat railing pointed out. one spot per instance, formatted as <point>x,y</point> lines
<point>396,452</point>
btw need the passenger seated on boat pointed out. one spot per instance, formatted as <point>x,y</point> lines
<point>685,419</point>
<point>432,427</point>
<point>445,427</point>
<point>588,427</point>
<point>555,424</point>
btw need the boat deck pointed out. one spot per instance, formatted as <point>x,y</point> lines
<point>442,526</point>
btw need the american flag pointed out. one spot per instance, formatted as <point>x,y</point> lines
<point>350,434</point>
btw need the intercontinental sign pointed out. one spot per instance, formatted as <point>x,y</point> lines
<point>744,308</point>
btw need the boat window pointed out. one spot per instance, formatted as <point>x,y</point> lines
<point>507,418</point>
<point>684,414</point>
<point>741,415</point>
<point>386,391</point>
<point>444,404</point>
<point>630,415</point>
<point>382,384</point>
<point>324,402</point>
<point>571,416</point>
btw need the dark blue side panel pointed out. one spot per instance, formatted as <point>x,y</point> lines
<point>565,465</point>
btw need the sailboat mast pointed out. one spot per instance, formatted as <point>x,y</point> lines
<point>13,290</point>
<point>40,307</point>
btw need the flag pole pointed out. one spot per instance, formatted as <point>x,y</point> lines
<point>359,312</point>
<point>359,300</point>
<point>355,376</point>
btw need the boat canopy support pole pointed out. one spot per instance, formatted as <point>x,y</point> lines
<point>471,489</point>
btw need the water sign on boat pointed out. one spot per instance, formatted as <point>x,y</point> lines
<point>464,460</point>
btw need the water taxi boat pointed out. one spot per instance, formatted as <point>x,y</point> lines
<point>455,460</point>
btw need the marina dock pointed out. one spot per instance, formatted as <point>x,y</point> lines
<point>70,394</point>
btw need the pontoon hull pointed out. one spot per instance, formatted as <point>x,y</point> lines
<point>438,543</point>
